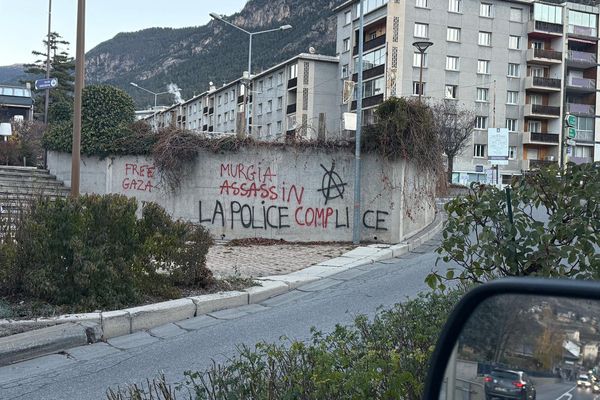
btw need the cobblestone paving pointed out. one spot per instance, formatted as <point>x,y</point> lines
<point>256,261</point>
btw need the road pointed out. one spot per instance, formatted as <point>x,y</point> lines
<point>87,372</point>
<point>564,391</point>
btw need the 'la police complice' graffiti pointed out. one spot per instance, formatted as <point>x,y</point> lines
<point>281,206</point>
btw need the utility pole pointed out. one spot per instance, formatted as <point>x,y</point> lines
<point>48,61</point>
<point>79,82</point>
<point>359,94</point>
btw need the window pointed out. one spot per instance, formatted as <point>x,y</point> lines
<point>269,130</point>
<point>232,115</point>
<point>259,109</point>
<point>547,13</point>
<point>453,34</point>
<point>479,150</point>
<point>232,95</point>
<point>514,42</point>
<point>293,71</point>
<point>370,5</point>
<point>421,30</point>
<point>483,94</point>
<point>219,100</point>
<point>373,87</point>
<point>422,3</point>
<point>513,70</point>
<point>483,67</point>
<point>539,72</point>
<point>516,14</point>
<point>480,122</point>
<point>279,102</point>
<point>270,82</point>
<point>536,99</point>
<point>417,88</point>
<point>512,152</point>
<point>485,10</point>
<point>279,126</point>
<point>270,106</point>
<point>219,119</point>
<point>371,59</point>
<point>417,60</point>
<point>485,38</point>
<point>451,92</point>
<point>535,126</point>
<point>512,124</point>
<point>347,17</point>
<point>452,63</point>
<point>455,6</point>
<point>226,99</point>
<point>512,97</point>
<point>345,71</point>
<point>280,79</point>
<point>346,44</point>
<point>579,18</point>
<point>259,130</point>
<point>260,86</point>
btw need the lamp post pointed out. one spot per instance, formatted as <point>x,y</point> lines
<point>250,35</point>
<point>149,91</point>
<point>77,103</point>
<point>422,47</point>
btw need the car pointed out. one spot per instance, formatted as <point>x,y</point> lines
<point>596,388</point>
<point>584,381</point>
<point>508,384</point>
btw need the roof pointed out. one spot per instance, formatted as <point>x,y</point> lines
<point>15,101</point>
<point>301,56</point>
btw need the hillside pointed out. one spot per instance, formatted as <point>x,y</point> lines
<point>192,57</point>
<point>11,74</point>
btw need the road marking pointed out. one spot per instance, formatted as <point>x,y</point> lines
<point>567,393</point>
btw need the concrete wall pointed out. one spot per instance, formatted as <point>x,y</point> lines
<point>294,195</point>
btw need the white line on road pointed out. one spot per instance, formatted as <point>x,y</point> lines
<point>567,393</point>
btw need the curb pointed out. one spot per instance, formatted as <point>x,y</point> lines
<point>74,330</point>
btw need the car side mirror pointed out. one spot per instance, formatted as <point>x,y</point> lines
<point>512,337</point>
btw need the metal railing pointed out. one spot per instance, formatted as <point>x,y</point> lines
<point>545,110</point>
<point>551,54</point>
<point>544,137</point>
<point>582,57</point>
<point>546,82</point>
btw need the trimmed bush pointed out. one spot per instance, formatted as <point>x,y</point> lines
<point>386,358</point>
<point>92,252</point>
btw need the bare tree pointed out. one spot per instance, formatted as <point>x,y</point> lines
<point>454,126</point>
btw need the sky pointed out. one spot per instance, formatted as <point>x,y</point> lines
<point>24,23</point>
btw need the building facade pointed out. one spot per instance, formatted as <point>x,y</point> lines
<point>518,64</point>
<point>16,103</point>
<point>297,98</point>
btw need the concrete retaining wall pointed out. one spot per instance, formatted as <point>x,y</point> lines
<point>295,195</point>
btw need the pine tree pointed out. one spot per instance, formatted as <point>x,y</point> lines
<point>62,67</point>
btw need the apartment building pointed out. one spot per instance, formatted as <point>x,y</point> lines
<point>296,98</point>
<point>16,103</point>
<point>518,64</point>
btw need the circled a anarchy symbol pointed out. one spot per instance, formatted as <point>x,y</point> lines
<point>332,186</point>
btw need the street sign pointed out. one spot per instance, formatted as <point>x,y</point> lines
<point>49,83</point>
<point>570,120</point>
<point>572,133</point>
<point>571,142</point>
<point>498,146</point>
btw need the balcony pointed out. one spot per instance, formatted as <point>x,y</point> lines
<point>581,59</point>
<point>581,160</point>
<point>371,73</point>
<point>581,85</point>
<point>369,101</point>
<point>544,29</point>
<point>370,44</point>
<point>585,137</point>
<point>537,164</point>
<point>541,111</point>
<point>544,56</point>
<point>549,139</point>
<point>583,31</point>
<point>541,84</point>
<point>291,108</point>
<point>581,109</point>
<point>292,83</point>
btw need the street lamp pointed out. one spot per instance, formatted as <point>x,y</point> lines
<point>149,91</point>
<point>422,47</point>
<point>250,35</point>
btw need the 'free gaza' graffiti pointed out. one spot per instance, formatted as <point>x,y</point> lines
<point>279,206</point>
<point>139,177</point>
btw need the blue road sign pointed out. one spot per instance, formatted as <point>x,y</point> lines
<point>49,83</point>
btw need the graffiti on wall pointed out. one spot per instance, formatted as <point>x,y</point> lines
<point>139,177</point>
<point>255,197</point>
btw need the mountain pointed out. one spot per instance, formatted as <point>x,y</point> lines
<point>193,57</point>
<point>11,74</point>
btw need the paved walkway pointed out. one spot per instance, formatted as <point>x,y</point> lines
<point>256,261</point>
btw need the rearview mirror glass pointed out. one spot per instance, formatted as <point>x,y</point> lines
<point>526,347</point>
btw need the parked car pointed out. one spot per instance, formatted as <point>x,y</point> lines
<point>584,381</point>
<point>508,384</point>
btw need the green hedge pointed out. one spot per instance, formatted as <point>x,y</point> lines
<point>92,252</point>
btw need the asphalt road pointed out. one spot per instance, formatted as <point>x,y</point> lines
<point>87,372</point>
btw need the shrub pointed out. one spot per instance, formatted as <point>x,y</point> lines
<point>383,359</point>
<point>92,252</point>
